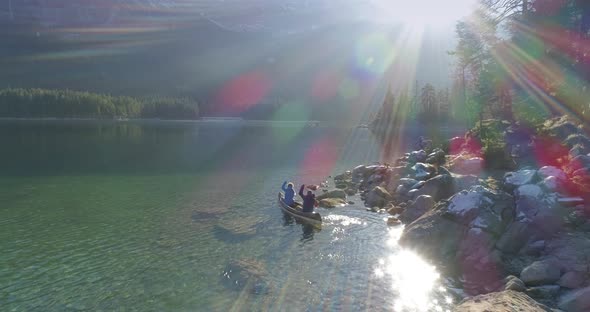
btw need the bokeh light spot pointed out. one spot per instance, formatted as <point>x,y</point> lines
<point>243,92</point>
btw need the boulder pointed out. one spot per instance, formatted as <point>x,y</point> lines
<point>332,194</point>
<point>529,190</point>
<point>417,156</point>
<point>482,208</point>
<point>546,294</point>
<point>417,208</point>
<point>464,182</point>
<point>393,221</point>
<point>550,184</point>
<point>572,280</point>
<point>421,171</point>
<point>377,197</point>
<point>576,301</point>
<point>540,273</point>
<point>434,235</point>
<point>515,237</point>
<point>504,301</point>
<point>513,180</point>
<point>395,210</point>
<point>514,283</point>
<point>437,157</point>
<point>332,202</point>
<point>439,187</point>
<point>551,171</point>
<point>407,182</point>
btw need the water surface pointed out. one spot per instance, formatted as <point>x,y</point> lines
<point>153,216</point>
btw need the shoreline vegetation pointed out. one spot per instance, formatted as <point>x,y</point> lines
<point>67,104</point>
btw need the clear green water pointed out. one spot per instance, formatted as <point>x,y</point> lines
<point>149,216</point>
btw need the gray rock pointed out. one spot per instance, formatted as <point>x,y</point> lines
<point>535,248</point>
<point>550,184</point>
<point>332,194</point>
<point>529,190</point>
<point>546,294</point>
<point>421,171</point>
<point>515,237</point>
<point>434,235</point>
<point>439,187</point>
<point>436,157</point>
<point>576,301</point>
<point>504,301</point>
<point>482,208</point>
<point>417,156</point>
<point>514,283</point>
<point>551,171</point>
<point>420,206</point>
<point>572,280</point>
<point>513,180</point>
<point>540,273</point>
<point>464,182</point>
<point>378,197</point>
<point>407,182</point>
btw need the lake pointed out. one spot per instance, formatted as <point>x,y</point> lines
<point>176,216</point>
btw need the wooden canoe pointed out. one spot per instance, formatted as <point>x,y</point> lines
<point>309,217</point>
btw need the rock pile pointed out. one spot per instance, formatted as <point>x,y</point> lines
<point>527,233</point>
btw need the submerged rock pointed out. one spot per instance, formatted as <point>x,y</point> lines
<point>332,194</point>
<point>332,202</point>
<point>514,283</point>
<point>246,274</point>
<point>504,301</point>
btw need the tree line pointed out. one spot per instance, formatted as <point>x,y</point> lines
<point>415,104</point>
<point>525,59</point>
<point>43,103</point>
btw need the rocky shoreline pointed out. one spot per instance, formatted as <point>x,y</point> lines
<point>502,211</point>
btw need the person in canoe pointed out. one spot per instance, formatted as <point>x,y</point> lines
<point>308,199</point>
<point>289,190</point>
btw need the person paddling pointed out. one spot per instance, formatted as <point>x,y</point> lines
<point>289,193</point>
<point>308,199</point>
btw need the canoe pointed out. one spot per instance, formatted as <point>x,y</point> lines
<point>309,217</point>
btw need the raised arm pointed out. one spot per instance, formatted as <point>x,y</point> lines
<point>301,190</point>
<point>284,186</point>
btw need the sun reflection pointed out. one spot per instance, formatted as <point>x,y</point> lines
<point>413,281</point>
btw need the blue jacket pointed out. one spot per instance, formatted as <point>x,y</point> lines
<point>308,200</point>
<point>289,194</point>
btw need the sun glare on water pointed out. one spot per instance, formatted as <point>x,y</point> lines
<point>423,13</point>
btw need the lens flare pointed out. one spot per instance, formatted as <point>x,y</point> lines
<point>243,92</point>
